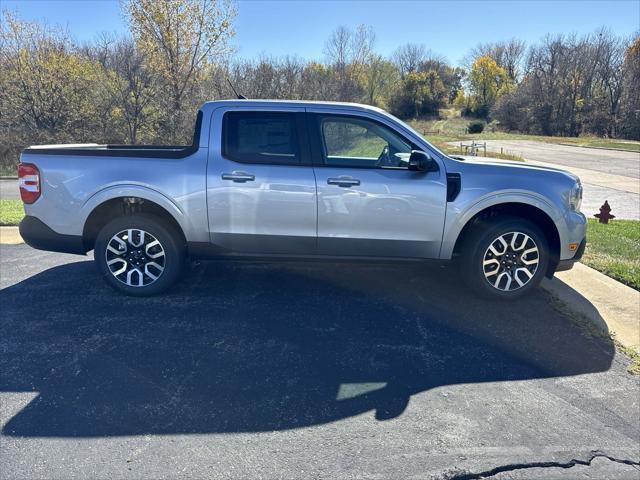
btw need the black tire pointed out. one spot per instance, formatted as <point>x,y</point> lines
<point>173,259</point>
<point>476,245</point>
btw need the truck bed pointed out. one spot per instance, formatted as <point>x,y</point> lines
<point>111,150</point>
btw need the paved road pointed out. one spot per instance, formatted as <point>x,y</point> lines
<point>9,190</point>
<point>307,370</point>
<point>606,174</point>
<point>626,164</point>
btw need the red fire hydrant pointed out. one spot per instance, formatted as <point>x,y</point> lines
<point>605,213</point>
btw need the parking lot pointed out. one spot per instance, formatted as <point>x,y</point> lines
<point>322,370</point>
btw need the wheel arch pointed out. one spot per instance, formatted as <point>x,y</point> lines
<point>533,213</point>
<point>121,201</point>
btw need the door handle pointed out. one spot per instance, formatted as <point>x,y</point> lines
<point>343,181</point>
<point>239,177</point>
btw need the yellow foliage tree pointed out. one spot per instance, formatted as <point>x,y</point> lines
<point>180,38</point>
<point>487,81</point>
<point>44,82</point>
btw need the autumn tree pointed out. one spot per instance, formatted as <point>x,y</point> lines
<point>508,54</point>
<point>630,101</point>
<point>46,86</point>
<point>420,93</point>
<point>379,79</point>
<point>487,80</point>
<point>180,38</point>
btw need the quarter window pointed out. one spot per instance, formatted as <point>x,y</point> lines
<point>260,137</point>
<point>359,142</point>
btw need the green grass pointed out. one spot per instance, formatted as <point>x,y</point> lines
<point>11,212</point>
<point>593,142</point>
<point>614,250</point>
<point>8,170</point>
<point>634,356</point>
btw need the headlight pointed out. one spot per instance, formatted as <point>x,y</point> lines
<point>575,197</point>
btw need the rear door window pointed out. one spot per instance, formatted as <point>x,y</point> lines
<point>260,137</point>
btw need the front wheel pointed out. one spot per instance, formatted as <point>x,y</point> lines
<point>139,254</point>
<point>505,258</point>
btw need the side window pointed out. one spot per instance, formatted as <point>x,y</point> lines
<point>260,137</point>
<point>359,142</point>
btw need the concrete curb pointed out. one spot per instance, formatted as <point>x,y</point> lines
<point>8,178</point>
<point>612,307</point>
<point>10,236</point>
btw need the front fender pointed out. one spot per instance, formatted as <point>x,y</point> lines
<point>460,213</point>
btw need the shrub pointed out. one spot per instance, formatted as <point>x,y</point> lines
<point>476,127</point>
<point>511,110</point>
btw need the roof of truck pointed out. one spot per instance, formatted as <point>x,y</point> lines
<point>289,103</point>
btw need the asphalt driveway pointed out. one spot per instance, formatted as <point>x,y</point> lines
<point>323,370</point>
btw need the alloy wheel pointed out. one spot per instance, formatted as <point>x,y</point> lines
<point>511,261</point>
<point>135,257</point>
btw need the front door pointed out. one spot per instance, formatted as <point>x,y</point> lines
<point>261,190</point>
<point>369,202</point>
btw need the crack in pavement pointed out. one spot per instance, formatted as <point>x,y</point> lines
<point>523,466</point>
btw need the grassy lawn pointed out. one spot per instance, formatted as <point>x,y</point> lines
<point>8,170</point>
<point>593,142</point>
<point>11,212</point>
<point>614,250</point>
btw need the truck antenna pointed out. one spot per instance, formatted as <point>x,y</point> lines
<point>239,97</point>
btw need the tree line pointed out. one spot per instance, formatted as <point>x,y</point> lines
<point>145,87</point>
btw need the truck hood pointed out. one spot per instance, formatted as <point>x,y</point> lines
<point>515,167</point>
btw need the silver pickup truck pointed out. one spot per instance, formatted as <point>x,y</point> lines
<point>299,180</point>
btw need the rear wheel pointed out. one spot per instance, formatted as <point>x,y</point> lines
<point>504,259</point>
<point>139,254</point>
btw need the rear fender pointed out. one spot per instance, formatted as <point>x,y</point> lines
<point>138,191</point>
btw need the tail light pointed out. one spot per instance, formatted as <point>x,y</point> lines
<point>29,182</point>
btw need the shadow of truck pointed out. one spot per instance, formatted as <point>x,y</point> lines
<point>250,347</point>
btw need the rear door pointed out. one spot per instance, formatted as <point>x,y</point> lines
<point>369,202</point>
<point>261,189</point>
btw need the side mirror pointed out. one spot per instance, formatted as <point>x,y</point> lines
<point>419,161</point>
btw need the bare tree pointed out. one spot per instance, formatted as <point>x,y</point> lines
<point>337,47</point>
<point>130,84</point>
<point>408,57</point>
<point>347,53</point>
